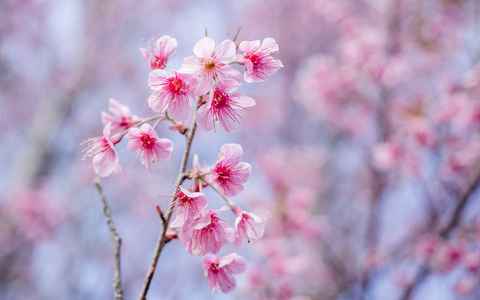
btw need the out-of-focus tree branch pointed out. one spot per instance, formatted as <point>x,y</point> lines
<point>453,223</point>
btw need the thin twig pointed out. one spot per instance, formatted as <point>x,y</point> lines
<point>229,202</point>
<point>116,241</point>
<point>161,241</point>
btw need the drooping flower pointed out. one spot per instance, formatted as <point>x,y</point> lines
<point>206,234</point>
<point>105,158</point>
<point>160,52</point>
<point>219,270</point>
<point>171,94</point>
<point>222,107</point>
<point>248,226</point>
<point>210,66</point>
<point>121,118</point>
<point>189,206</point>
<point>229,173</point>
<point>145,142</point>
<point>258,59</point>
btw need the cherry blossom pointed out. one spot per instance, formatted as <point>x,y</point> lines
<point>121,118</point>
<point>145,142</point>
<point>248,226</point>
<point>171,94</point>
<point>258,59</point>
<point>105,158</point>
<point>219,270</point>
<point>189,206</point>
<point>222,107</point>
<point>206,234</point>
<point>159,55</point>
<point>229,173</point>
<point>210,65</point>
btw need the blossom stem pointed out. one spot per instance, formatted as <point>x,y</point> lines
<point>116,241</point>
<point>162,240</point>
<point>230,203</point>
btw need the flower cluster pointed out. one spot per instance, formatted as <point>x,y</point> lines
<point>201,230</point>
<point>206,83</point>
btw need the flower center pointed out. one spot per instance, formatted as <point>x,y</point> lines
<point>254,58</point>
<point>220,99</point>
<point>147,141</point>
<point>176,85</point>
<point>209,65</point>
<point>223,175</point>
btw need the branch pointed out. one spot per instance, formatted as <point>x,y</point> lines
<point>116,241</point>
<point>161,241</point>
<point>423,271</point>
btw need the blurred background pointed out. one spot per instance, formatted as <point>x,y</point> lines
<point>365,148</point>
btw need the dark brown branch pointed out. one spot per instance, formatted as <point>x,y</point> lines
<point>116,241</point>
<point>423,271</point>
<point>161,241</point>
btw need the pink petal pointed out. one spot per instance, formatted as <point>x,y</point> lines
<point>156,78</point>
<point>270,45</point>
<point>231,153</point>
<point>228,85</point>
<point>226,281</point>
<point>204,47</point>
<point>227,72</point>
<point>236,264</point>
<point>225,52</point>
<point>248,47</point>
<point>190,65</point>
<point>165,46</point>
<point>164,149</point>
<point>205,118</point>
<point>242,100</point>
<point>106,163</point>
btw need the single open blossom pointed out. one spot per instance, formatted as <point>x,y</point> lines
<point>189,206</point>
<point>229,173</point>
<point>121,118</point>
<point>206,234</point>
<point>171,94</point>
<point>145,141</point>
<point>222,107</point>
<point>258,59</point>
<point>219,270</point>
<point>210,66</point>
<point>160,52</point>
<point>105,158</point>
<point>248,226</point>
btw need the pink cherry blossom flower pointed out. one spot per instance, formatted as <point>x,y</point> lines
<point>247,226</point>
<point>145,141</point>
<point>209,65</point>
<point>229,173</point>
<point>206,234</point>
<point>258,59</point>
<point>219,270</point>
<point>189,206</point>
<point>163,49</point>
<point>105,158</point>
<point>222,107</point>
<point>171,94</point>
<point>121,118</point>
